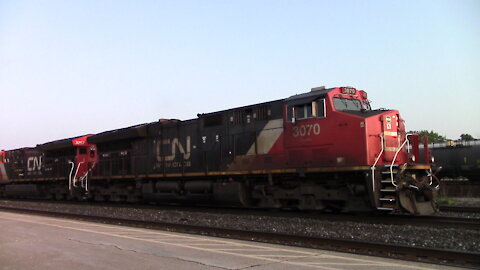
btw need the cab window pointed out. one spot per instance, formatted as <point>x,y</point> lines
<point>347,104</point>
<point>314,109</point>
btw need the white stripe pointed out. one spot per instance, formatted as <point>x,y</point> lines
<point>390,133</point>
<point>267,137</point>
<point>3,172</point>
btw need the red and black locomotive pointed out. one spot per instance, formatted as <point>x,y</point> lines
<point>325,149</point>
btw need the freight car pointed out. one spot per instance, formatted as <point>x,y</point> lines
<point>458,160</point>
<point>324,149</point>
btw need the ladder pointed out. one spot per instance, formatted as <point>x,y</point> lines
<point>388,192</point>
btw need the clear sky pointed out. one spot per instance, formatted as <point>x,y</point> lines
<point>69,68</point>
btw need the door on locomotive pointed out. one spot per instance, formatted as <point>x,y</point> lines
<point>85,160</point>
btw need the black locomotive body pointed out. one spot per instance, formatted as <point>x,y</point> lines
<point>192,158</point>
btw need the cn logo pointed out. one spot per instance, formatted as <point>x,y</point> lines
<point>34,163</point>
<point>175,145</point>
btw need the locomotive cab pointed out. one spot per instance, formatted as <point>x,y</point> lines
<point>327,127</point>
<point>84,163</point>
<point>72,159</point>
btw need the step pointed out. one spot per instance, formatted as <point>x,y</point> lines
<point>389,165</point>
<point>386,181</point>
<point>388,190</point>
<point>388,172</point>
<point>387,199</point>
<point>385,208</point>
<point>389,205</point>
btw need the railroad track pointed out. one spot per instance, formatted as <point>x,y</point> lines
<point>434,221</point>
<point>428,221</point>
<point>430,255</point>
<point>460,209</point>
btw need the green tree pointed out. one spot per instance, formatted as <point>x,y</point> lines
<point>432,136</point>
<point>466,137</point>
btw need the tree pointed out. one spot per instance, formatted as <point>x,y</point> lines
<point>432,136</point>
<point>466,137</point>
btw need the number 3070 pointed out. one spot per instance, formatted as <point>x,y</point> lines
<point>306,130</point>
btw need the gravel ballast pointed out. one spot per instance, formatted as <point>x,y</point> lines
<point>406,235</point>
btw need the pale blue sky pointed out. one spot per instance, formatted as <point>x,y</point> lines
<point>74,67</point>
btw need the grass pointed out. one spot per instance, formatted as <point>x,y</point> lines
<point>446,201</point>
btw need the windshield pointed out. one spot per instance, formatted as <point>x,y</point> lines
<point>347,104</point>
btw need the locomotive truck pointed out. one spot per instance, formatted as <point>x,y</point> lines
<point>321,150</point>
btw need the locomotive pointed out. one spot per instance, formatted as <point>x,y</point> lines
<point>321,150</point>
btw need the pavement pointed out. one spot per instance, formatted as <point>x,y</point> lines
<point>38,242</point>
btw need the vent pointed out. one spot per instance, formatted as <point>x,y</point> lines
<point>318,88</point>
<point>261,113</point>
<point>238,117</point>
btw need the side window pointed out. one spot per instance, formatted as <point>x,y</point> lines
<point>315,109</point>
<point>320,108</point>
<point>299,111</point>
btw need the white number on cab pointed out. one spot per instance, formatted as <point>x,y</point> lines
<point>306,130</point>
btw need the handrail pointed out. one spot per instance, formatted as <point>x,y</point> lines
<point>76,172</point>
<point>85,177</point>
<point>70,175</point>
<point>84,181</point>
<point>375,163</point>
<point>395,157</point>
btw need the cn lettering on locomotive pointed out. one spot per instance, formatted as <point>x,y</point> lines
<point>321,150</point>
<point>173,144</point>
<point>34,164</point>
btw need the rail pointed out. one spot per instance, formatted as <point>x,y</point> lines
<point>460,209</point>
